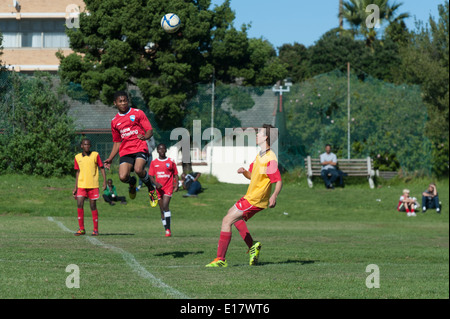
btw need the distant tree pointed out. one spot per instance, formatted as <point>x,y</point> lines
<point>296,57</point>
<point>425,61</point>
<point>397,32</point>
<point>355,13</point>
<point>39,138</point>
<point>333,50</point>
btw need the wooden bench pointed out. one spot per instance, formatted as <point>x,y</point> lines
<point>351,167</point>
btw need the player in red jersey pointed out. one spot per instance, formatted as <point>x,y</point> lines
<point>130,129</point>
<point>163,173</point>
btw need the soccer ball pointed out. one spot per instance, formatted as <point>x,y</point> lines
<point>170,23</point>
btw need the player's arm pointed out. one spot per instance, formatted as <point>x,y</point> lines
<point>146,127</point>
<point>151,175</point>
<point>74,192</point>
<point>148,134</point>
<point>276,192</point>
<point>175,187</point>
<point>114,151</point>
<point>102,169</point>
<point>244,172</point>
<point>154,182</point>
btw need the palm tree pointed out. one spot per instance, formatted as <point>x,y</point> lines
<point>354,11</point>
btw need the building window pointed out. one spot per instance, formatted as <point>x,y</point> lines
<point>34,33</point>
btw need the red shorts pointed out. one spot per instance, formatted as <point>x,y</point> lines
<point>91,193</point>
<point>167,191</point>
<point>248,209</point>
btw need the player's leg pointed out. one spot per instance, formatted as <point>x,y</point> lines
<point>167,213</point>
<point>241,226</point>
<point>233,215</point>
<point>125,168</point>
<point>80,212</point>
<point>139,168</point>
<point>93,204</point>
<point>161,208</point>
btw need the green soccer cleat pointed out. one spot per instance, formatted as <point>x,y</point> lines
<point>217,263</point>
<point>254,253</point>
<point>153,198</point>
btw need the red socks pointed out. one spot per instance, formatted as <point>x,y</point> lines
<point>80,218</point>
<point>80,212</point>
<point>225,238</point>
<point>243,231</point>
<point>224,241</point>
<point>95,219</point>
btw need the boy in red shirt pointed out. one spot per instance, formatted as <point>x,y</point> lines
<point>131,129</point>
<point>164,174</point>
<point>87,164</point>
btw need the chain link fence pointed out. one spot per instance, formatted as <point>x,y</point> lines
<point>387,121</point>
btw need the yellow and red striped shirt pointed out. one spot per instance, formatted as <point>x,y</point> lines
<point>264,172</point>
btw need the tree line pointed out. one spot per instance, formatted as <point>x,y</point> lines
<point>121,43</point>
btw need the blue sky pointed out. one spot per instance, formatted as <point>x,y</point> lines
<point>304,21</point>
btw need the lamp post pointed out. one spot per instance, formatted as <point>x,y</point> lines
<point>280,118</point>
<point>279,88</point>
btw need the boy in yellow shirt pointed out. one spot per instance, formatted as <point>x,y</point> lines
<point>263,172</point>
<point>87,164</point>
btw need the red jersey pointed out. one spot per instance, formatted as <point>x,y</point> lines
<point>164,171</point>
<point>126,127</point>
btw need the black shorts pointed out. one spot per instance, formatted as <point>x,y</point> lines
<point>131,158</point>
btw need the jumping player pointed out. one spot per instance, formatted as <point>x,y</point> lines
<point>263,172</point>
<point>130,129</point>
<point>163,172</point>
<point>87,164</point>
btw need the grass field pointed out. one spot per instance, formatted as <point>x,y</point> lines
<point>316,244</point>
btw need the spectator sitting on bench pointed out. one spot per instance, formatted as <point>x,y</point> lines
<point>329,162</point>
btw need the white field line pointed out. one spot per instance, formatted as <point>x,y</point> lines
<point>131,262</point>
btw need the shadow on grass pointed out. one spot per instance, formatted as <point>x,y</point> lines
<point>116,234</point>
<point>289,261</point>
<point>179,254</point>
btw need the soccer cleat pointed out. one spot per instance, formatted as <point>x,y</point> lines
<point>132,189</point>
<point>94,233</point>
<point>217,263</point>
<point>254,253</point>
<point>153,198</point>
<point>80,232</point>
<point>168,233</point>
